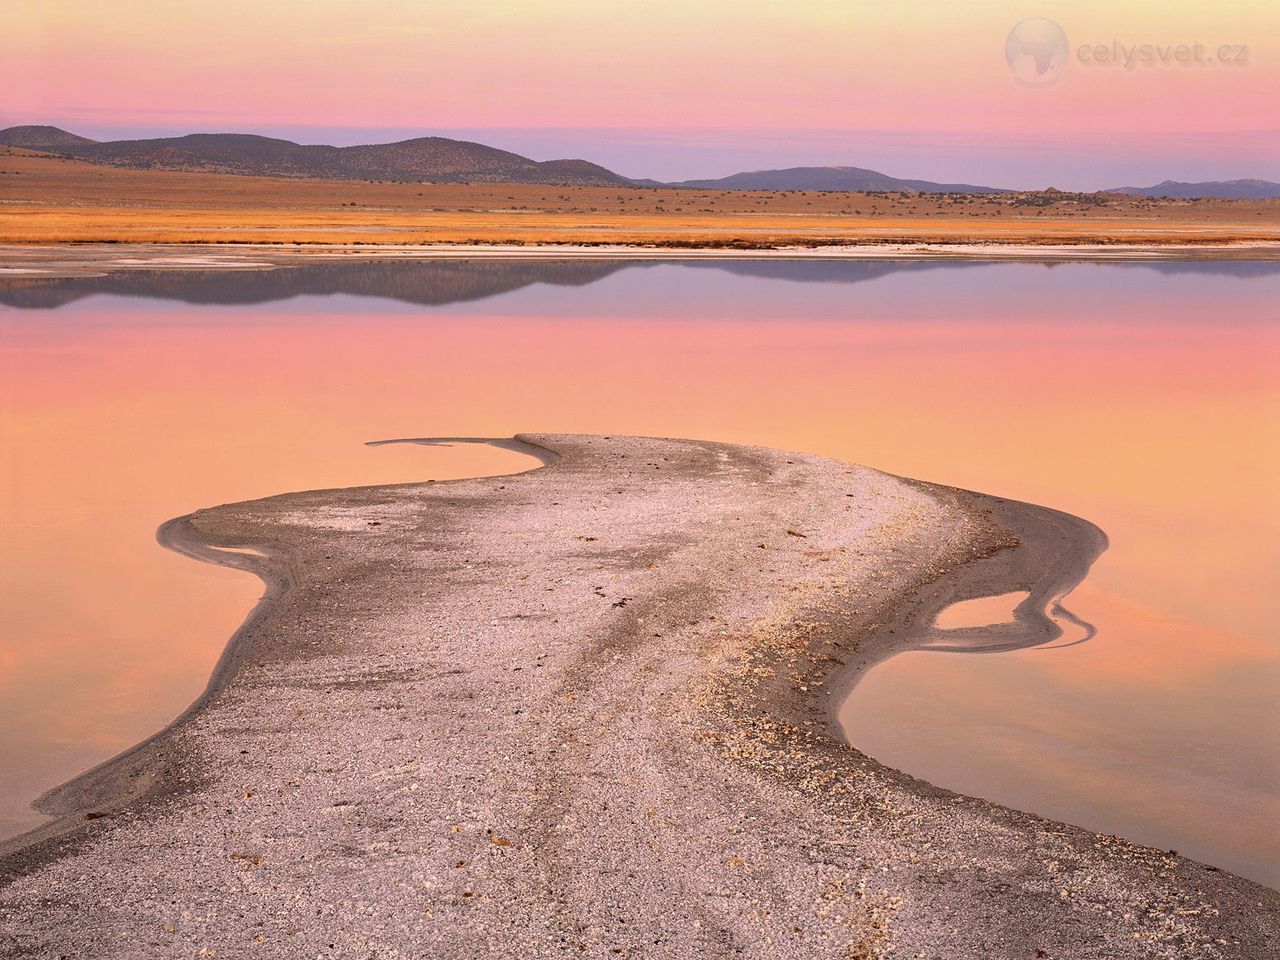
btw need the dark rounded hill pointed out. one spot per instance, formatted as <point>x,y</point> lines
<point>423,158</point>
<point>39,137</point>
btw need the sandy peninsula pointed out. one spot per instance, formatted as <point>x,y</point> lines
<point>589,710</point>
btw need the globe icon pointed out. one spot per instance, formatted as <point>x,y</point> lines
<point>1036,51</point>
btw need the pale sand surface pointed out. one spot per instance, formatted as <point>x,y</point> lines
<point>588,710</point>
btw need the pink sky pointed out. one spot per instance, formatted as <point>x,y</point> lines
<point>668,87</point>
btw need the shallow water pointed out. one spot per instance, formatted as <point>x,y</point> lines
<point>980,611</point>
<point>1141,397</point>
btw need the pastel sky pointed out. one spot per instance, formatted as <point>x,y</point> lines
<point>671,88</point>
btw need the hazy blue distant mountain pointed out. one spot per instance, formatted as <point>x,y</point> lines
<point>830,178</point>
<point>1226,189</point>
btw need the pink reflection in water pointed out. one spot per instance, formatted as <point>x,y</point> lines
<point>1146,406</point>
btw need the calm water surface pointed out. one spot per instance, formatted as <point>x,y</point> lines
<point>1145,398</point>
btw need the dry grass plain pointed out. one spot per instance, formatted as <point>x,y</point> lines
<point>46,199</point>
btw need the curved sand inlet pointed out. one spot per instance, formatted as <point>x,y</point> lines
<point>588,710</point>
<point>1046,566</point>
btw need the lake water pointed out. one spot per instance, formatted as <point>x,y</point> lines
<point>1143,397</point>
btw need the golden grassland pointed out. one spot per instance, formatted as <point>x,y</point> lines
<point>47,199</point>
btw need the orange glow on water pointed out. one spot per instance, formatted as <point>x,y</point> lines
<point>1146,404</point>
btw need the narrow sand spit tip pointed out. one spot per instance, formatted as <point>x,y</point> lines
<point>588,710</point>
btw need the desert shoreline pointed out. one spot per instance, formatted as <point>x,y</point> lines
<point>313,653</point>
<point>997,542</point>
<point>21,264</point>
<point>59,200</point>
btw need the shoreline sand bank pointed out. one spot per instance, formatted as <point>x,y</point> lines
<point>38,262</point>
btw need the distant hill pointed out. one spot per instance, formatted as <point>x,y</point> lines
<point>424,158</point>
<point>854,179</point>
<point>39,137</point>
<point>461,161</point>
<point>1225,189</point>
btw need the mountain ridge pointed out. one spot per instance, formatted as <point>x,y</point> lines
<point>1243,189</point>
<point>420,158</point>
<point>441,159</point>
<point>853,179</point>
